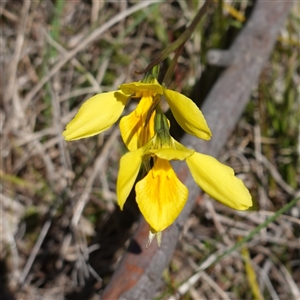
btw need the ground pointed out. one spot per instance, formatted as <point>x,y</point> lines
<point>62,234</point>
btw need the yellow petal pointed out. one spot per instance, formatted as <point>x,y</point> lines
<point>187,114</point>
<point>160,195</point>
<point>129,168</point>
<point>96,115</point>
<point>134,130</point>
<point>174,151</point>
<point>218,181</point>
<point>140,87</point>
<point>171,153</point>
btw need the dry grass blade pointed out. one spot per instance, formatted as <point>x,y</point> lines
<point>17,53</point>
<point>79,206</point>
<point>92,37</point>
<point>98,165</point>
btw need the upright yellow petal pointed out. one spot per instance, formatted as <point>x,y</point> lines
<point>188,115</point>
<point>218,181</point>
<point>140,87</point>
<point>160,195</point>
<point>96,115</point>
<point>129,168</point>
<point>171,153</point>
<point>134,130</point>
<point>176,151</point>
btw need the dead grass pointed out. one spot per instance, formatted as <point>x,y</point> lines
<point>61,232</point>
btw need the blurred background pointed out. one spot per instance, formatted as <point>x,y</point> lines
<point>62,235</point>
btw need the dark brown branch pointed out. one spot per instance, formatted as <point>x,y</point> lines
<point>140,270</point>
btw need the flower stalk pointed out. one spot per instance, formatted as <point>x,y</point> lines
<point>181,39</point>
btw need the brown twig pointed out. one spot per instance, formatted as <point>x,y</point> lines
<point>18,48</point>
<point>140,270</point>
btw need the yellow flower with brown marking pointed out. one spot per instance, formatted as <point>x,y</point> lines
<point>160,195</point>
<point>101,111</point>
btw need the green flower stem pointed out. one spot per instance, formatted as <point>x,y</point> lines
<point>151,74</point>
<point>180,41</point>
<point>168,76</point>
<point>160,121</point>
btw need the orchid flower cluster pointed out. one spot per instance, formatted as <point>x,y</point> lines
<point>160,195</point>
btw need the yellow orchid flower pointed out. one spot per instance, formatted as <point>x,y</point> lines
<point>136,129</point>
<point>160,195</point>
<point>102,110</point>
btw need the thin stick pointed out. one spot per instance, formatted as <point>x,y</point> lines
<point>34,251</point>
